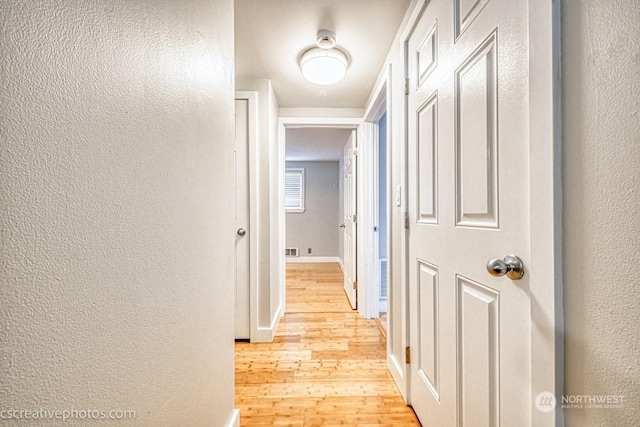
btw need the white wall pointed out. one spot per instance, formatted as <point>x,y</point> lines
<point>393,69</point>
<point>267,302</point>
<point>276,207</point>
<point>601,65</point>
<point>117,148</point>
<point>316,227</point>
<point>397,304</point>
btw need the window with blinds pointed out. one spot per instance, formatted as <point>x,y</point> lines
<point>294,190</point>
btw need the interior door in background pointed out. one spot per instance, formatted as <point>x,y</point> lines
<point>468,188</point>
<point>242,274</point>
<point>350,221</point>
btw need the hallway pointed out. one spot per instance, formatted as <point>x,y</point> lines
<point>326,366</point>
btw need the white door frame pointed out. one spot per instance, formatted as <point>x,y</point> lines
<point>545,132</point>
<point>329,122</point>
<point>252,116</point>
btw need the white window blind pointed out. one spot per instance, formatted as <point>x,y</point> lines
<point>294,190</point>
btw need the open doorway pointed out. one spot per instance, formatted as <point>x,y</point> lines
<point>312,193</point>
<point>308,148</point>
<point>376,201</point>
<point>381,229</point>
<point>318,199</point>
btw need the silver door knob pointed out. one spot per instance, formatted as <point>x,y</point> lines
<point>511,266</point>
<point>241,232</point>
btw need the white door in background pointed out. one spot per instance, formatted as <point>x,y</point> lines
<point>242,303</point>
<point>468,188</point>
<point>349,220</point>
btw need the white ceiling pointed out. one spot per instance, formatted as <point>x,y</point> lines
<point>315,144</point>
<point>271,34</point>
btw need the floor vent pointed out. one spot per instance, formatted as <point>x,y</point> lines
<point>291,252</point>
<point>383,278</point>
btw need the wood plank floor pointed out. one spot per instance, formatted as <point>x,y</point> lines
<point>326,367</point>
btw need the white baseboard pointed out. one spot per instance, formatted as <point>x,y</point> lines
<point>234,421</point>
<point>268,334</point>
<point>263,335</point>
<point>313,259</point>
<point>341,266</point>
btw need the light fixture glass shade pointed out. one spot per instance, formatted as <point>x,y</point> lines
<point>324,66</point>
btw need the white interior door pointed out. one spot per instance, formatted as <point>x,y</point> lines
<point>468,194</point>
<point>242,275</point>
<point>350,221</point>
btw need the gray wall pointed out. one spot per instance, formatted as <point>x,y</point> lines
<point>317,227</point>
<point>601,69</point>
<point>116,158</point>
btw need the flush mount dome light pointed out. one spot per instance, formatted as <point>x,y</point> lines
<point>324,64</point>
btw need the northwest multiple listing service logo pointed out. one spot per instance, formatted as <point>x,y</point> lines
<point>547,402</point>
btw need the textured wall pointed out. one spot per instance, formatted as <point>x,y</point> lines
<point>116,135</point>
<point>601,65</point>
<point>316,228</point>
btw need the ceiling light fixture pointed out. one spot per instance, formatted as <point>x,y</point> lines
<point>324,64</point>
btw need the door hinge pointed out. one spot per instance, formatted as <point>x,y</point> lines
<point>406,220</point>
<point>407,355</point>
<point>355,152</point>
<point>355,218</point>
<point>355,285</point>
<point>406,85</point>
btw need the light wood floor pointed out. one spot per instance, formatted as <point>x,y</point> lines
<point>327,366</point>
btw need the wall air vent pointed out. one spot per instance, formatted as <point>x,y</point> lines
<point>291,252</point>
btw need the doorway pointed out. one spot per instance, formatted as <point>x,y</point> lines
<point>381,229</point>
<point>313,230</point>
<point>375,158</point>
<point>312,193</point>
